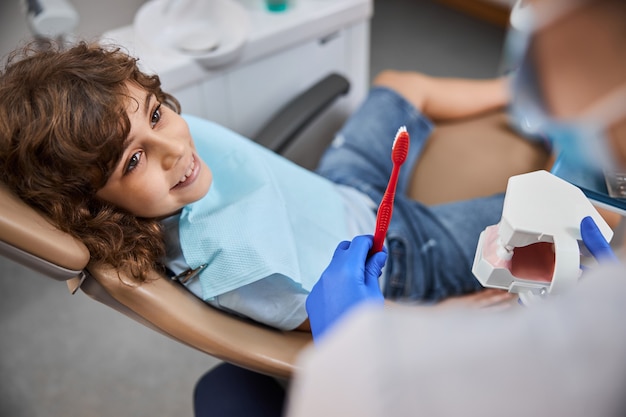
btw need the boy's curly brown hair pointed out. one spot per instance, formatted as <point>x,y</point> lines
<point>63,124</point>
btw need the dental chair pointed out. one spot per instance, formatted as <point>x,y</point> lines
<point>452,166</point>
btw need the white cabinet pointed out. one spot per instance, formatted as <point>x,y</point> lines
<point>285,54</point>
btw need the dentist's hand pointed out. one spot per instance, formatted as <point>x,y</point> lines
<point>350,279</point>
<point>595,242</point>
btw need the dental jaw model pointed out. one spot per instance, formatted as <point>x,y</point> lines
<point>534,250</point>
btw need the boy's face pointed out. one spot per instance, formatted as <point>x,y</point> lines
<point>160,171</point>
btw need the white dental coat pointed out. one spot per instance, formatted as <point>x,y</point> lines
<point>565,357</point>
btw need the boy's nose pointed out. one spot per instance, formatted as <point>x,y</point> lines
<point>171,150</point>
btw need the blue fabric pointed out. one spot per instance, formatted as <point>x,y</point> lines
<point>230,391</point>
<point>259,217</point>
<point>430,249</point>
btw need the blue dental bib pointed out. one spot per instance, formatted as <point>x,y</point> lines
<point>262,215</point>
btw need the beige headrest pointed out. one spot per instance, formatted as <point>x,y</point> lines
<point>23,227</point>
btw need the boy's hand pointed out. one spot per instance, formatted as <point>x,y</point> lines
<point>350,279</point>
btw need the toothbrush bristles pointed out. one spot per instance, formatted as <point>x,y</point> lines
<point>400,147</point>
<point>401,129</point>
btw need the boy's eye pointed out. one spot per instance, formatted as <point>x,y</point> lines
<point>133,162</point>
<point>156,115</point>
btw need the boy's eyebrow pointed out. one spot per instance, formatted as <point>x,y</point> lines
<point>146,109</point>
<point>146,103</point>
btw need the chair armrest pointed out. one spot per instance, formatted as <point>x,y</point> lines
<point>291,119</point>
<point>169,308</point>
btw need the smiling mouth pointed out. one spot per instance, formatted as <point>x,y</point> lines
<point>189,175</point>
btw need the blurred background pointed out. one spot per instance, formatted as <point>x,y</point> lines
<point>66,355</point>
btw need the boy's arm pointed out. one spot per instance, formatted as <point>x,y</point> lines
<point>447,98</point>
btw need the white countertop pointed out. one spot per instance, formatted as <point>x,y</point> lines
<point>270,32</point>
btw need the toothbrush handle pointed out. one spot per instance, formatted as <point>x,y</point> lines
<point>385,210</point>
<point>382,224</point>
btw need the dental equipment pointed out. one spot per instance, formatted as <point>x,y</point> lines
<point>51,18</point>
<point>534,250</point>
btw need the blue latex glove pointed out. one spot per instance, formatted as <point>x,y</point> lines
<point>595,242</point>
<point>350,279</point>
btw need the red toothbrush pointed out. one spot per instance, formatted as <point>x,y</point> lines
<point>399,151</point>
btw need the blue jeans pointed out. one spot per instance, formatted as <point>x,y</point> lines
<point>431,248</point>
